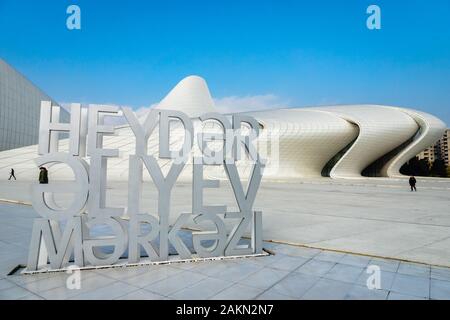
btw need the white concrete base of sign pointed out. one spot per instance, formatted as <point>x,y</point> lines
<point>143,262</point>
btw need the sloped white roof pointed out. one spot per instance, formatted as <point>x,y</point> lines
<point>191,96</point>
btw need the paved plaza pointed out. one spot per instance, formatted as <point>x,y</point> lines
<point>292,273</point>
<point>337,229</point>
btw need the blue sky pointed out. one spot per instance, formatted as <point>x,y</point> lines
<point>266,53</point>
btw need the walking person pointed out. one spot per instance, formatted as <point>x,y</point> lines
<point>412,184</point>
<point>43,175</point>
<point>11,174</point>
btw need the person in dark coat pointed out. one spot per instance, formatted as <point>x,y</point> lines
<point>412,183</point>
<point>11,174</point>
<point>43,175</point>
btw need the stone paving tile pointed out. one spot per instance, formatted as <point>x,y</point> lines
<point>326,289</point>
<point>296,251</point>
<point>363,293</point>
<point>237,272</point>
<point>344,273</point>
<point>329,256</point>
<point>212,268</point>
<point>22,279</point>
<point>175,283</point>
<point>251,263</point>
<point>385,264</point>
<point>386,279</point>
<point>264,278</point>
<point>295,285</point>
<point>316,267</point>
<point>411,285</point>
<point>184,265</point>
<point>270,245</point>
<point>5,284</point>
<point>264,261</point>
<point>31,296</point>
<point>202,290</point>
<point>6,267</point>
<point>399,296</point>
<point>256,280</point>
<point>61,293</point>
<point>413,269</point>
<point>141,294</point>
<point>14,293</point>
<point>272,294</point>
<point>288,263</point>
<point>87,285</point>
<point>109,292</point>
<point>56,281</point>
<point>125,272</point>
<point>238,292</point>
<point>440,273</point>
<point>354,260</point>
<point>143,280</point>
<point>440,290</point>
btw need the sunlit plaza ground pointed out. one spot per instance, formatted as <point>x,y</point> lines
<point>324,234</point>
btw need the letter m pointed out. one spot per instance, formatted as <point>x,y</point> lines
<point>47,243</point>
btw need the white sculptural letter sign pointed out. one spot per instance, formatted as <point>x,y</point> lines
<point>63,235</point>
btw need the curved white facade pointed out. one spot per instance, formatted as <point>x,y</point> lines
<point>339,141</point>
<point>308,139</point>
<point>431,130</point>
<point>381,129</point>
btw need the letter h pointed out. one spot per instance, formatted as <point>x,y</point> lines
<point>50,127</point>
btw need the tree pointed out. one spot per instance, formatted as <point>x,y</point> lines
<point>438,169</point>
<point>424,168</point>
<point>406,169</point>
<point>416,167</point>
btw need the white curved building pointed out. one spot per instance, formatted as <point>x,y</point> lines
<point>380,130</point>
<point>337,141</point>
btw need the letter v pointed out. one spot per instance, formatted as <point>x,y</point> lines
<point>245,200</point>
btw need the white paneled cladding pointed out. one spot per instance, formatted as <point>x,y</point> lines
<point>20,104</point>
